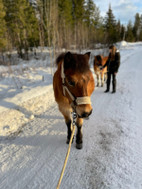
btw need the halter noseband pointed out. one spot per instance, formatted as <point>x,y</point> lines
<point>75,100</point>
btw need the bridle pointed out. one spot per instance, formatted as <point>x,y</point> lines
<point>75,100</point>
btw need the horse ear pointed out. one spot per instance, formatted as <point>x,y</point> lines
<point>68,57</point>
<point>87,55</point>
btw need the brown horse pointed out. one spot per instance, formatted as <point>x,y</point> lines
<point>100,61</point>
<point>73,85</point>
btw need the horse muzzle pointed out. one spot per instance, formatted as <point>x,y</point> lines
<point>85,114</point>
<point>84,111</point>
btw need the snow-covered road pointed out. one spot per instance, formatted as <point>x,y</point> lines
<point>111,157</point>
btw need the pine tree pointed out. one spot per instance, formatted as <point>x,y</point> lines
<point>78,10</point>
<point>93,22</point>
<point>44,15</point>
<point>118,31</point>
<point>140,35</point>
<point>31,25</point>
<point>110,26</point>
<point>65,23</point>
<point>14,23</point>
<point>136,28</point>
<point>21,24</point>
<point>3,40</point>
<point>129,34</point>
<point>92,13</point>
<point>65,11</point>
<point>79,30</point>
<point>123,32</point>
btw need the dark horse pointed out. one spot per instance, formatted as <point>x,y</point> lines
<point>73,85</point>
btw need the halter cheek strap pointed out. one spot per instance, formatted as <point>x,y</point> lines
<point>76,100</point>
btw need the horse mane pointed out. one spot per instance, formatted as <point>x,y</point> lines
<point>60,58</point>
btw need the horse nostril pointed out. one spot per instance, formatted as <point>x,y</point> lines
<point>86,114</point>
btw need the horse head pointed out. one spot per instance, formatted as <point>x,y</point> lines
<point>98,60</point>
<point>78,82</point>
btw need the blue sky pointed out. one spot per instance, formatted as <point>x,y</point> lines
<point>124,10</point>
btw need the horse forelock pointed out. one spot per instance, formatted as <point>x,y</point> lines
<point>99,57</point>
<point>98,60</point>
<point>77,63</point>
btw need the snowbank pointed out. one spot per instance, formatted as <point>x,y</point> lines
<point>25,91</point>
<point>123,44</point>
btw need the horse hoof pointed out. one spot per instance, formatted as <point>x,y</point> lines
<point>79,146</point>
<point>67,141</point>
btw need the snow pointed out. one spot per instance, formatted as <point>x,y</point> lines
<point>33,133</point>
<point>123,43</point>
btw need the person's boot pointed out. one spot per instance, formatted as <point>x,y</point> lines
<point>113,91</point>
<point>106,91</point>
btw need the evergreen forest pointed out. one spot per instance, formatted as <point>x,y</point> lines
<point>68,24</point>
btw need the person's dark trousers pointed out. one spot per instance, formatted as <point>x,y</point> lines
<point>113,81</point>
<point>108,80</point>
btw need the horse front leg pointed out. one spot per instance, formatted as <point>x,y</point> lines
<point>102,79</point>
<point>67,116</point>
<point>98,81</point>
<point>79,135</point>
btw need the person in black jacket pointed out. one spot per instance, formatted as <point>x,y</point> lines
<point>112,64</point>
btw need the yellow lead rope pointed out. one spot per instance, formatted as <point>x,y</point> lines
<point>66,159</point>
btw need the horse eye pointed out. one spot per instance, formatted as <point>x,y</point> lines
<point>71,83</point>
